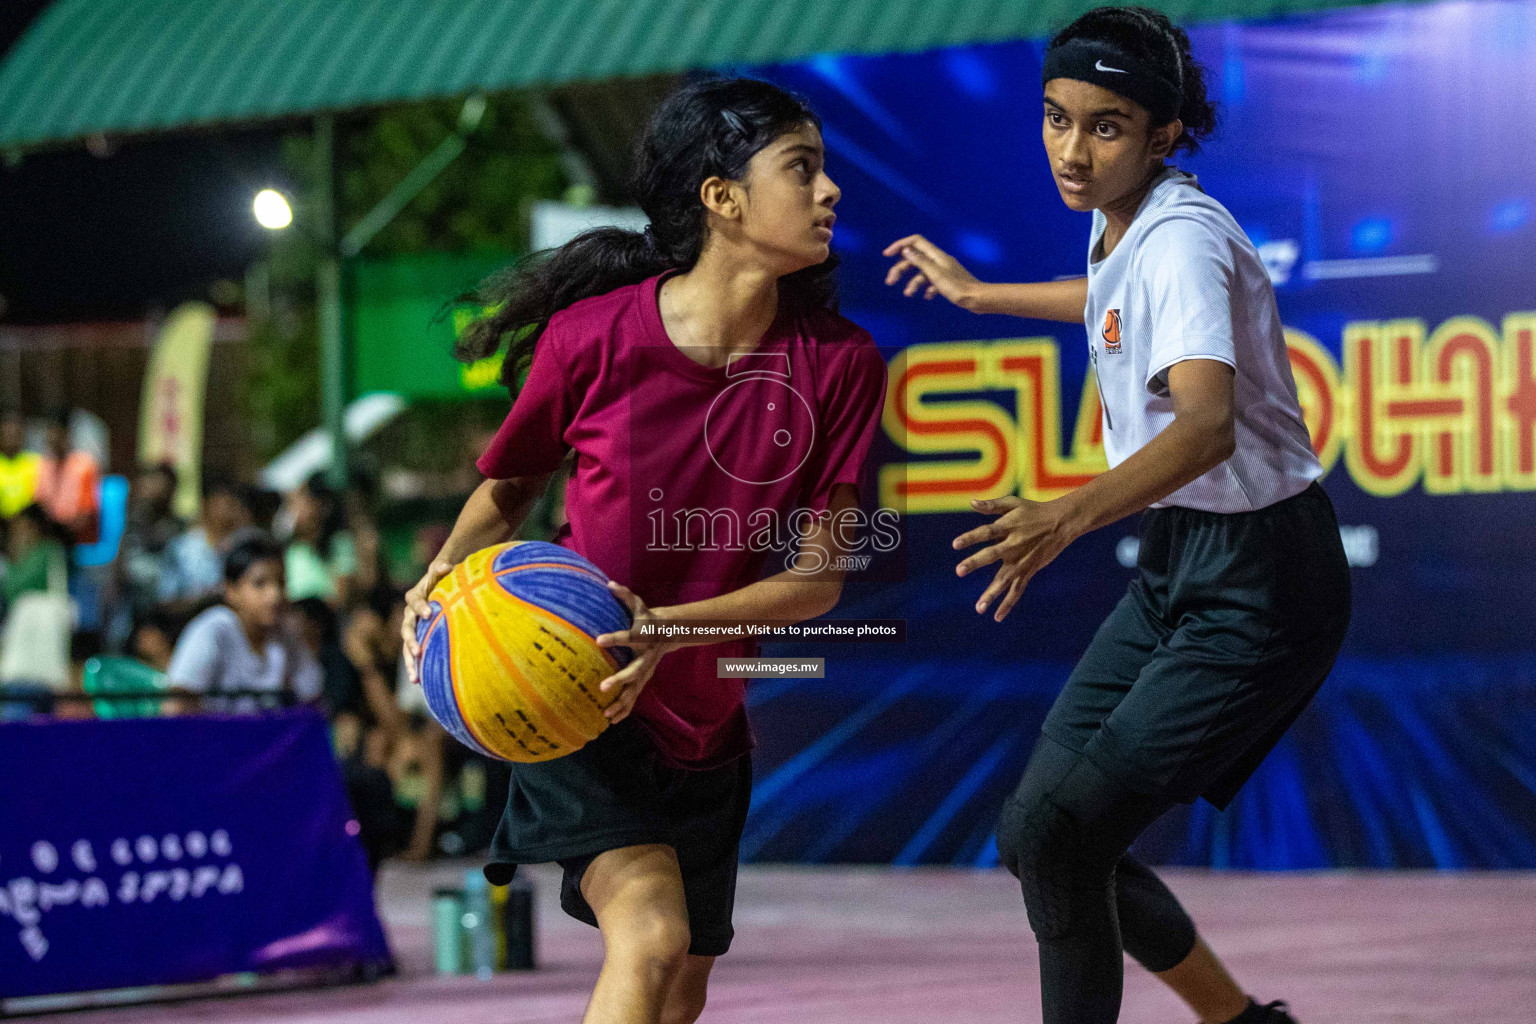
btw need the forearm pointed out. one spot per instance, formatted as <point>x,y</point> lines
<point>1184,451</point>
<point>1039,300</point>
<point>785,598</point>
<point>492,515</point>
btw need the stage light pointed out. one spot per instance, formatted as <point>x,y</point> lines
<point>272,209</point>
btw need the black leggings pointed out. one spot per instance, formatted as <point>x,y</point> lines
<point>1064,834</point>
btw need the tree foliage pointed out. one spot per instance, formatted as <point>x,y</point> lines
<point>481,201</point>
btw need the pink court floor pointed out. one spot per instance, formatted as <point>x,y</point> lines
<point>860,946</point>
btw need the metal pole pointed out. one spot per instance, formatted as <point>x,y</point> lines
<point>333,355</point>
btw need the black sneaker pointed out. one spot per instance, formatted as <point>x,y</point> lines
<point>1277,1012</point>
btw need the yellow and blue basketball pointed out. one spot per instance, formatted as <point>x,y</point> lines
<point>509,663</point>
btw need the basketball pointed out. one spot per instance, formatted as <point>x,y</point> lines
<point>509,663</point>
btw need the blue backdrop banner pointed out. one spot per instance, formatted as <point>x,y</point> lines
<point>158,851</point>
<point>1392,200</point>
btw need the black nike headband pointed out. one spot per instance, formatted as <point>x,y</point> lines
<point>1089,60</point>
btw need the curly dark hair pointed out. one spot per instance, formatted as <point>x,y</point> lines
<point>707,128</point>
<point>1149,36</point>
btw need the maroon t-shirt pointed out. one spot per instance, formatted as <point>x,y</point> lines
<point>691,481</point>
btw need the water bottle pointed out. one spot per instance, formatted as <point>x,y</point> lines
<point>516,921</point>
<point>447,930</point>
<point>479,926</point>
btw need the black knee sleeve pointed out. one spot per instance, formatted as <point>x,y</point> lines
<point>1046,852</point>
<point>1063,840</point>
<point>1154,927</point>
<point>1048,764</point>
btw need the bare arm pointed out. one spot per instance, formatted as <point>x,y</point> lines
<point>936,272</point>
<point>492,515</point>
<point>787,597</point>
<point>1201,437</point>
<point>1028,535</point>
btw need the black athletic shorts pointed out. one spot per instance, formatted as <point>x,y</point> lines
<point>617,792</point>
<point>1229,629</point>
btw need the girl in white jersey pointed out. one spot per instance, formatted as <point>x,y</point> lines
<point>1241,600</point>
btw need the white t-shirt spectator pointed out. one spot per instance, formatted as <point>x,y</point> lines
<point>215,656</point>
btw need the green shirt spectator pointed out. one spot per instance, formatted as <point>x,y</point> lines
<point>39,562</point>
<point>310,575</point>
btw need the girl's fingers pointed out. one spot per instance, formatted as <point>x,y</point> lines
<point>994,589</point>
<point>619,639</point>
<point>629,597</point>
<point>900,244</point>
<point>621,707</point>
<point>976,536</point>
<point>986,556</point>
<point>893,275</point>
<point>1015,589</point>
<point>918,280</point>
<point>924,253</point>
<point>931,292</point>
<point>618,680</point>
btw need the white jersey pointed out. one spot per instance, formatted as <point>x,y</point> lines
<point>1185,283</point>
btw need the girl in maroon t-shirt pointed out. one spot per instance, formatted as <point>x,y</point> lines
<point>720,413</point>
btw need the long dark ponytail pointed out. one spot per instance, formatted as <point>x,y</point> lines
<point>705,129</point>
<point>1148,35</point>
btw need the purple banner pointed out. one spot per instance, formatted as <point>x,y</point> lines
<point>158,851</point>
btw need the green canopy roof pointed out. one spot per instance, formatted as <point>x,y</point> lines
<point>125,66</point>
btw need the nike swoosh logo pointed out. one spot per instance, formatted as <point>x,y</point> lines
<point>1101,66</point>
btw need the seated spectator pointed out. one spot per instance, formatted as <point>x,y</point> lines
<point>361,744</point>
<point>151,527</point>
<point>34,648</point>
<point>68,483</point>
<point>19,470</point>
<point>246,643</point>
<point>341,691</point>
<point>358,503</point>
<point>193,568</point>
<point>321,558</point>
<point>152,639</point>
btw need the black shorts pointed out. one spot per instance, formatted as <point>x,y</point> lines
<point>617,792</point>
<point>1229,629</point>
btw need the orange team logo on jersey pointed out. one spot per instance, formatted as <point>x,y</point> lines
<point>1112,331</point>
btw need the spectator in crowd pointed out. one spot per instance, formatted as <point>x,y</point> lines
<point>19,470</point>
<point>353,692</point>
<point>152,526</point>
<point>69,482</point>
<point>367,542</point>
<point>321,557</point>
<point>246,643</point>
<point>193,568</point>
<point>152,639</point>
<point>39,561</point>
<point>340,691</point>
<point>34,645</point>
<point>400,735</point>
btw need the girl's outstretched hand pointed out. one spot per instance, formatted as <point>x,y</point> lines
<point>935,272</point>
<point>1025,537</point>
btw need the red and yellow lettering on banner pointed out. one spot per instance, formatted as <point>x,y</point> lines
<point>1452,410</point>
<point>994,450</point>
